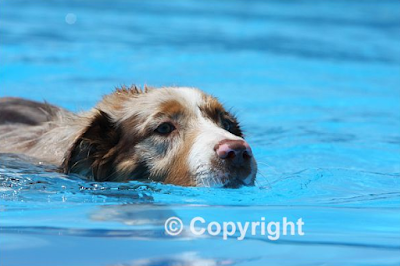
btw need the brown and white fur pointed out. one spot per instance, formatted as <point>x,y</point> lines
<point>179,136</point>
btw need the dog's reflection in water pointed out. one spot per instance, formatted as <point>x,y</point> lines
<point>146,222</point>
<point>182,259</point>
<point>136,215</point>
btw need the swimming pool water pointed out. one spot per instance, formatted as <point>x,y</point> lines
<point>316,85</point>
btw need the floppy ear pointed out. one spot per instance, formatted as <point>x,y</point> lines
<point>94,151</point>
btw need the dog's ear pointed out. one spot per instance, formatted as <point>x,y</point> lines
<point>94,151</point>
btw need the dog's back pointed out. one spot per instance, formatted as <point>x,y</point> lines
<point>21,111</point>
<point>23,123</point>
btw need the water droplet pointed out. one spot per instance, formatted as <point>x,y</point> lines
<point>70,18</point>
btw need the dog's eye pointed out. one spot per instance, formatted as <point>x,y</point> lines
<point>165,128</point>
<point>227,125</point>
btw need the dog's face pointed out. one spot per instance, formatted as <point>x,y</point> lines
<point>174,135</point>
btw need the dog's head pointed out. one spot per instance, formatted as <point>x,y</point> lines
<point>179,136</point>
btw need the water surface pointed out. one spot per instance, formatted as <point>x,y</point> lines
<point>316,86</point>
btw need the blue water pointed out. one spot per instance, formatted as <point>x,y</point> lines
<point>316,85</point>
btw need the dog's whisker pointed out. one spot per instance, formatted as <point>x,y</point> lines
<point>264,177</point>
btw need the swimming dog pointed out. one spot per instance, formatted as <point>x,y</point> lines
<point>175,135</point>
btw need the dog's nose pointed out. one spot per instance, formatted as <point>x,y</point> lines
<point>237,151</point>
